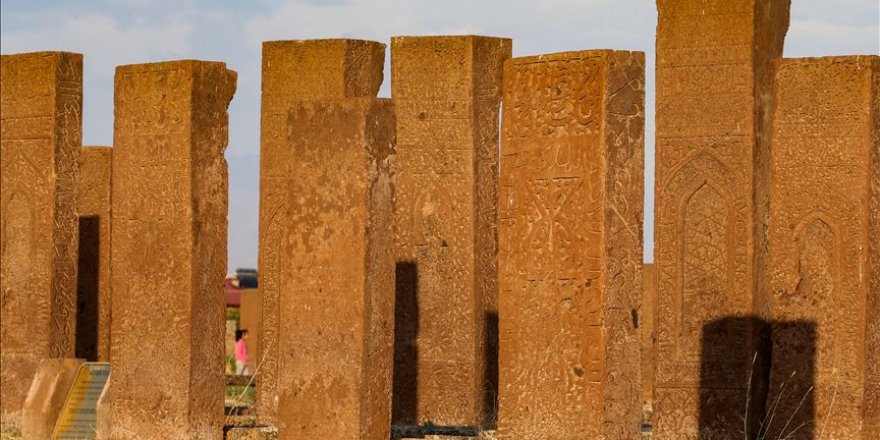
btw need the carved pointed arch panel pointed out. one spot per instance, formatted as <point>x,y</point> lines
<point>702,238</point>
<point>705,257</point>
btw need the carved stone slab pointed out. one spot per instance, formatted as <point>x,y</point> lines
<point>93,208</point>
<point>335,344</point>
<point>570,252</point>
<point>294,71</point>
<point>169,207</point>
<point>40,139</point>
<point>824,248</point>
<point>714,76</point>
<point>447,92</point>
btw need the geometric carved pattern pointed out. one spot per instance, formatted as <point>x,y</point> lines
<point>569,253</point>
<point>701,211</point>
<point>705,244</point>
<point>554,237</point>
<point>825,131</point>
<point>706,265</point>
<point>169,210</point>
<point>447,93</point>
<point>713,60</point>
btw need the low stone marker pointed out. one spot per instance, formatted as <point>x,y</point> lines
<point>46,396</point>
<point>570,246</point>
<point>335,350</point>
<point>102,427</point>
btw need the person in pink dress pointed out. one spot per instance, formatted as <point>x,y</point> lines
<point>241,352</point>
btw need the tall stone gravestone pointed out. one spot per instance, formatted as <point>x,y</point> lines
<point>169,249</point>
<point>570,240</point>
<point>40,139</point>
<point>335,356</point>
<point>93,274</point>
<point>447,92</point>
<point>715,63</point>
<point>294,71</point>
<point>825,248</point>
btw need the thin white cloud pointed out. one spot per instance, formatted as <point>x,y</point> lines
<point>297,20</point>
<point>105,43</point>
<point>101,38</point>
<point>546,21</point>
<point>840,12</point>
<point>814,38</point>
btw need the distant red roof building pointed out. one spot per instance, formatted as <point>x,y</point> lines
<point>233,293</point>
<point>243,279</point>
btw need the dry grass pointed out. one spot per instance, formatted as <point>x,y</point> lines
<point>248,393</point>
<point>8,434</point>
<point>240,395</point>
<point>788,431</point>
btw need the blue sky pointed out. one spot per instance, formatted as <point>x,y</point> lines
<point>115,32</point>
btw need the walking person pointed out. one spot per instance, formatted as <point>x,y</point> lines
<point>241,352</point>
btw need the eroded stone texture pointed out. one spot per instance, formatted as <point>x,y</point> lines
<point>335,357</point>
<point>40,139</point>
<point>447,92</point>
<point>714,73</point>
<point>169,249</point>
<point>824,137</point>
<point>294,71</point>
<point>872,337</point>
<point>93,276</point>
<point>46,397</point>
<point>570,233</point>
<point>251,318</point>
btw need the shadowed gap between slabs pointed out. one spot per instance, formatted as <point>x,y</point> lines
<point>490,363</point>
<point>87,302</point>
<point>405,398</point>
<point>746,380</point>
<point>791,401</point>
